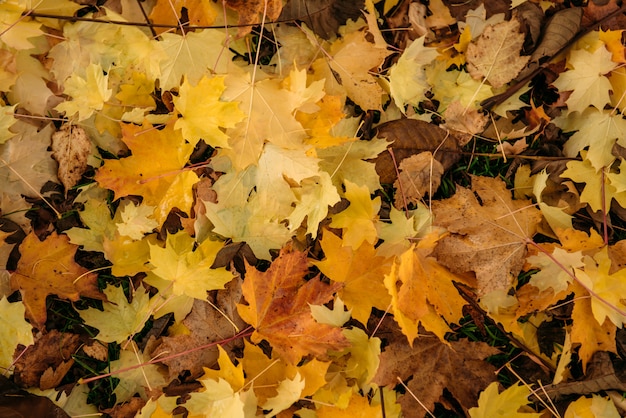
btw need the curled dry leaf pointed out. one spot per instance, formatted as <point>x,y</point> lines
<point>515,148</point>
<point>409,137</point>
<point>496,54</point>
<point>464,121</point>
<point>420,174</point>
<point>71,148</point>
<point>253,12</point>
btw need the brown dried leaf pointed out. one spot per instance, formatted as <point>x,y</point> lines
<point>495,55</point>
<point>49,352</point>
<point>71,148</point>
<point>558,32</point>
<point>96,350</point>
<point>515,148</point>
<point>465,122</point>
<point>434,366</point>
<point>487,232</point>
<point>206,325</point>
<point>253,12</point>
<point>420,174</point>
<point>411,137</point>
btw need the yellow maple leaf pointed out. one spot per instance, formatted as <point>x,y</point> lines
<point>358,220</point>
<point>586,79</point>
<point>586,331</point>
<point>188,270</point>
<point>154,170</point>
<point>594,407</point>
<point>361,271</point>
<point>319,124</point>
<point>348,71</point>
<point>120,319</point>
<point>265,372</point>
<point>508,403</point>
<point>88,94</point>
<point>606,290</point>
<point>422,291</point>
<point>203,113</point>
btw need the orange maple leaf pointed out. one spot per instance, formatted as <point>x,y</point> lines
<point>361,271</point>
<point>48,268</point>
<point>278,308</point>
<point>154,170</point>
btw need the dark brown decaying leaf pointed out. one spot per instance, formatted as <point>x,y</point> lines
<point>44,364</point>
<point>432,366</point>
<point>71,148</point>
<point>495,55</point>
<point>17,403</point>
<point>411,137</point>
<point>322,16</point>
<point>531,18</point>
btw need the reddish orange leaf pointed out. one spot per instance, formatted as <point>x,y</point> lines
<point>48,268</point>
<point>278,308</point>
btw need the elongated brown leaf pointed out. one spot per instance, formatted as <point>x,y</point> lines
<point>560,29</point>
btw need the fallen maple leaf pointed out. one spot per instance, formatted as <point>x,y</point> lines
<point>487,236</point>
<point>278,308</point>
<point>422,291</point>
<point>154,170</point>
<point>587,331</point>
<point>586,79</point>
<point>203,113</point>
<point>434,366</point>
<point>360,270</point>
<point>48,268</point>
<point>506,404</point>
<point>357,221</point>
